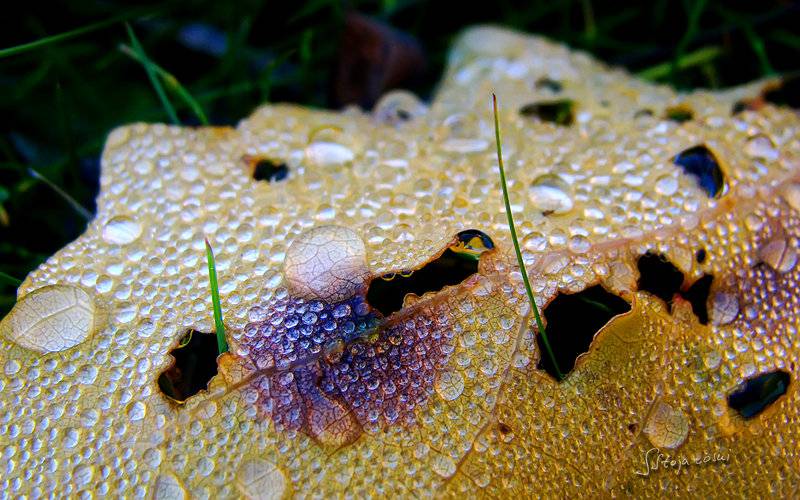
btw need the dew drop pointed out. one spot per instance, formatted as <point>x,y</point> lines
<point>465,146</point>
<point>121,230</point>
<point>260,479</point>
<point>49,319</point>
<point>667,185</point>
<point>398,106</point>
<point>327,263</point>
<point>443,465</point>
<point>779,255</point>
<point>168,487</point>
<point>791,193</point>
<point>326,154</point>
<point>449,385</point>
<point>724,307</point>
<point>760,146</point>
<point>550,194</point>
<point>666,427</point>
<point>136,411</point>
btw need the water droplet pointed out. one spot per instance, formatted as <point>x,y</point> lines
<point>666,427</point>
<point>121,230</point>
<point>579,244</point>
<point>168,487</point>
<point>465,146</point>
<point>443,465</point>
<point>326,154</point>
<point>724,308</point>
<point>667,185</point>
<point>327,263</point>
<point>49,319</point>
<point>791,193</point>
<point>136,411</point>
<point>398,106</point>
<point>449,385</point>
<point>550,194</point>
<point>779,255</point>
<point>760,146</point>
<point>260,479</point>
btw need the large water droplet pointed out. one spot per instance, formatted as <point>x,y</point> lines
<point>121,230</point>
<point>791,193</point>
<point>465,146</point>
<point>49,319</point>
<point>443,465</point>
<point>666,427</point>
<point>760,146</point>
<point>449,385</point>
<point>550,194</point>
<point>327,263</point>
<point>260,479</point>
<point>398,106</point>
<point>779,255</point>
<point>724,307</point>
<point>326,154</point>
<point>168,487</point>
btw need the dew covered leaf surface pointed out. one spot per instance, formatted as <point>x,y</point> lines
<point>442,398</point>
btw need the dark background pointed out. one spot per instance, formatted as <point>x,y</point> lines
<point>60,97</point>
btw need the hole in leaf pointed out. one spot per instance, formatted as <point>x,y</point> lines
<point>681,113</point>
<point>659,276</point>
<point>697,295</point>
<point>458,262</point>
<point>701,256</point>
<point>195,364</point>
<point>754,395</point>
<point>503,428</point>
<point>784,93</point>
<point>548,83</point>
<point>701,164</point>
<point>265,169</point>
<point>560,112</point>
<point>572,322</point>
<point>632,428</point>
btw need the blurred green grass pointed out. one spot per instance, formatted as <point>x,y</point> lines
<point>70,72</point>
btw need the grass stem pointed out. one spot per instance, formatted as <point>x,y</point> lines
<point>171,82</point>
<point>151,74</point>
<point>69,199</point>
<point>515,241</point>
<point>7,278</point>
<point>222,344</point>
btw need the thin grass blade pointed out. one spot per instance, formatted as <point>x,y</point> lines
<point>8,279</point>
<point>698,57</point>
<point>173,83</point>
<point>515,241</point>
<point>151,74</point>
<point>69,199</point>
<point>222,344</point>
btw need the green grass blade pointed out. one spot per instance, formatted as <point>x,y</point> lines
<point>222,344</point>
<point>514,239</point>
<point>7,278</point>
<point>48,40</point>
<point>151,74</point>
<point>171,82</point>
<point>69,199</point>
<point>696,10</point>
<point>698,57</point>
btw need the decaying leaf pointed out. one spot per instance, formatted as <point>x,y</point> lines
<point>323,394</point>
